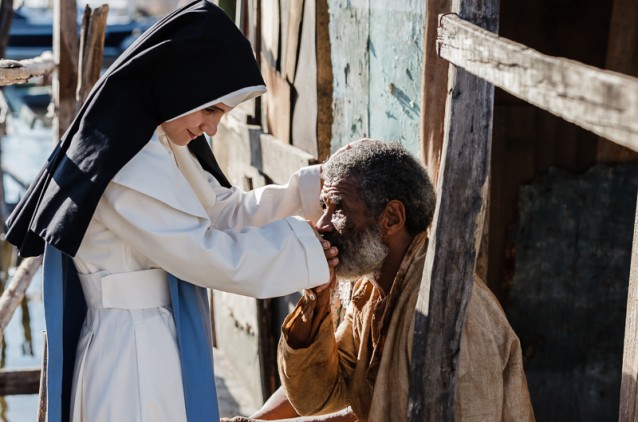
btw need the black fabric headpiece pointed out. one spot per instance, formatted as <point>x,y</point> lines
<point>189,58</point>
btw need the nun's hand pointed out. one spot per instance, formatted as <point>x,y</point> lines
<point>331,253</point>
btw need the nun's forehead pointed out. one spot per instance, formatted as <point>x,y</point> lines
<point>232,99</point>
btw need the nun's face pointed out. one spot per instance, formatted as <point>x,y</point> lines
<point>186,128</point>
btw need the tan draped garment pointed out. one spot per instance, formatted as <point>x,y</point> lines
<point>365,364</point>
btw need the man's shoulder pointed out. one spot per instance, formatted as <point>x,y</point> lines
<point>486,312</point>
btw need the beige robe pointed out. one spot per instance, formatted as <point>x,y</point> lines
<point>348,368</point>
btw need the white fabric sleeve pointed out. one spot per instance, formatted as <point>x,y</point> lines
<point>235,208</point>
<point>273,260</point>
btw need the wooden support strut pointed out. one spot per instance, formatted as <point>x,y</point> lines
<point>457,228</point>
<point>601,101</point>
<point>13,295</point>
<point>92,37</point>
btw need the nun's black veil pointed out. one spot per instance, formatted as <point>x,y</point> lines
<point>189,58</point>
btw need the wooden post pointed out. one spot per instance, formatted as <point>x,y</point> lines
<point>267,348</point>
<point>43,402</point>
<point>456,232</point>
<point>325,82</point>
<point>434,87</point>
<point>65,51</point>
<point>6,17</point>
<point>91,50</point>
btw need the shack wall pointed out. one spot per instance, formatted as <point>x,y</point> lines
<point>377,57</point>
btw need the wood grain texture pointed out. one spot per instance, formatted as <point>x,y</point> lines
<point>20,71</point>
<point>19,381</point>
<point>457,229</point>
<point>434,91</point>
<point>276,102</point>
<point>304,96</point>
<point>13,295</point>
<point>92,37</point>
<point>350,55</point>
<point>629,382</point>
<point>600,101</point>
<point>289,63</point>
<point>65,51</point>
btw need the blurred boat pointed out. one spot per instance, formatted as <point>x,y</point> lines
<point>31,31</point>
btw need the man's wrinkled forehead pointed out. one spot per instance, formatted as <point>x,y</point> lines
<point>338,190</point>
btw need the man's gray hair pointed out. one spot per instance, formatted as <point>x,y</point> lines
<point>384,171</point>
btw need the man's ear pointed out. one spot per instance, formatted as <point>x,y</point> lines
<point>393,218</point>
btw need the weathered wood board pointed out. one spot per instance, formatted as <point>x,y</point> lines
<point>65,52</point>
<point>14,72</point>
<point>291,45</point>
<point>600,101</point>
<point>19,381</point>
<point>270,28</point>
<point>349,30</point>
<point>433,91</point>
<point>396,60</point>
<point>457,229</point>
<point>276,103</point>
<point>628,411</point>
<point>304,96</point>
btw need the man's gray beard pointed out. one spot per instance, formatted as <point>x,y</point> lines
<point>364,254</point>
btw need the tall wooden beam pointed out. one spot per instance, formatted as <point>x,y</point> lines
<point>92,37</point>
<point>6,17</point>
<point>65,51</point>
<point>447,281</point>
<point>433,90</point>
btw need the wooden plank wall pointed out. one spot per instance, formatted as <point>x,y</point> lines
<point>295,61</point>
<point>377,77</point>
<point>285,134</point>
<point>349,30</point>
<point>396,60</point>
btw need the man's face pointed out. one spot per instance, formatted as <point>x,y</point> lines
<point>346,225</point>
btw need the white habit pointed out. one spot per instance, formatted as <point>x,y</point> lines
<point>152,220</point>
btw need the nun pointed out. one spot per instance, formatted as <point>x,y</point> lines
<point>136,219</point>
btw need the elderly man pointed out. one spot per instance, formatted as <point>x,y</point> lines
<point>378,202</point>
